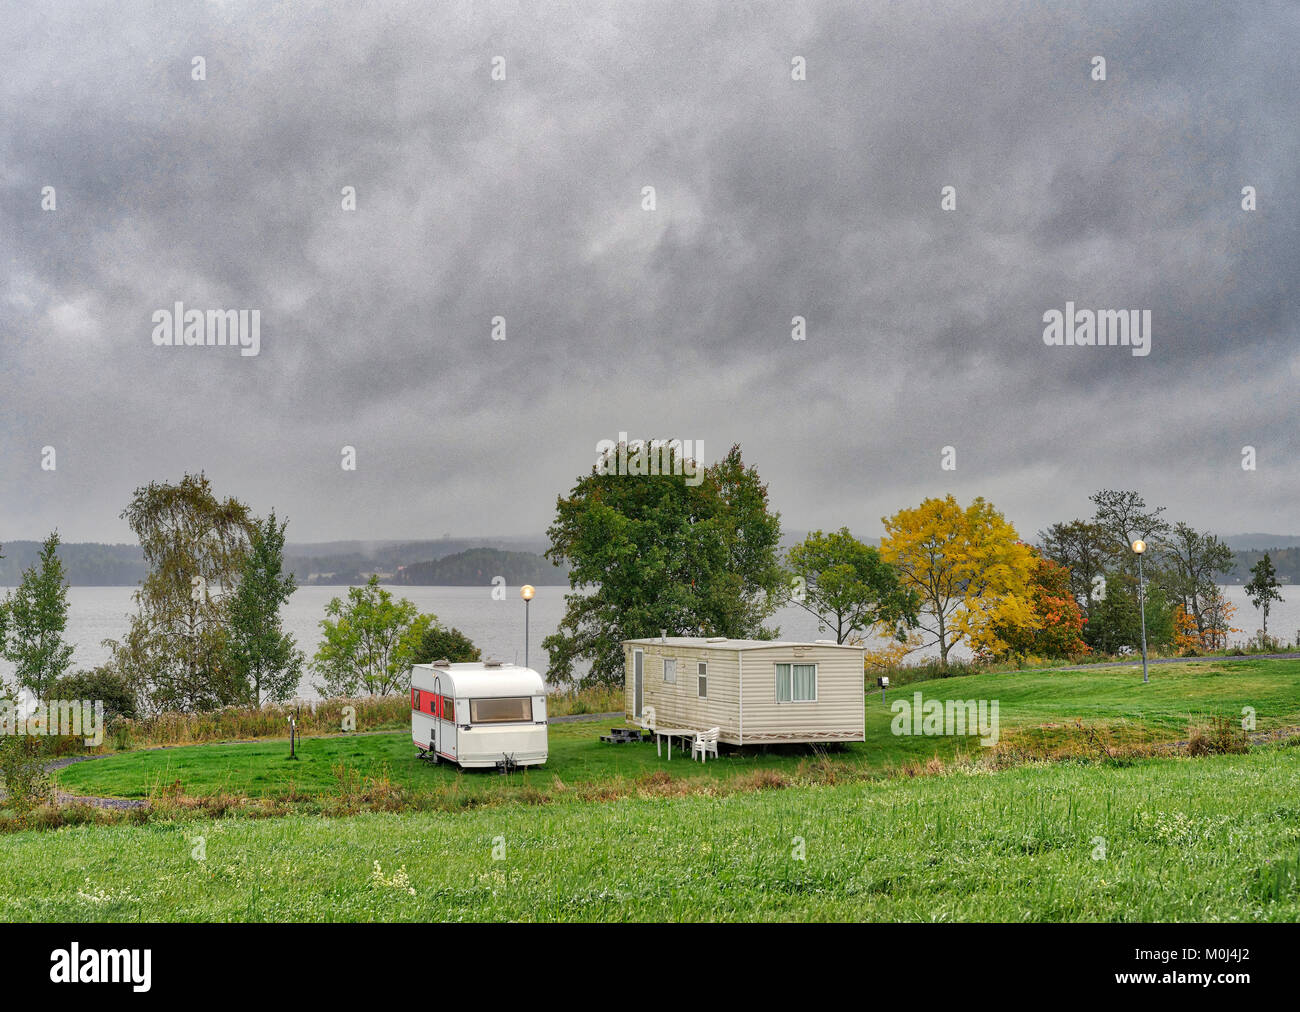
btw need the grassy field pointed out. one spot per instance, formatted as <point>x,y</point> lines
<point>1037,712</point>
<point>1160,839</point>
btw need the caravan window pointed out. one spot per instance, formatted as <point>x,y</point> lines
<point>796,683</point>
<point>670,670</point>
<point>501,711</point>
<point>449,709</point>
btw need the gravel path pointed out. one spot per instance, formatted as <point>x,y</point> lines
<point>115,804</point>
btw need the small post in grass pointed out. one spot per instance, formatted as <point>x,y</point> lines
<point>883,682</point>
<point>293,732</point>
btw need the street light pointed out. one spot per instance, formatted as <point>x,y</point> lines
<point>526,592</point>
<point>1139,547</point>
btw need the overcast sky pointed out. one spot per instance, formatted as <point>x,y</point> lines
<point>523,199</point>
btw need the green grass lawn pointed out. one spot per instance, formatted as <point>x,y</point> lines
<point>1037,711</point>
<point>1160,839</point>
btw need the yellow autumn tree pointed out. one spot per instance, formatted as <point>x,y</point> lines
<point>970,568</point>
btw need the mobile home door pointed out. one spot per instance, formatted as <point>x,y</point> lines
<point>638,679</point>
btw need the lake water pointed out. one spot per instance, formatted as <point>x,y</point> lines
<point>496,627</point>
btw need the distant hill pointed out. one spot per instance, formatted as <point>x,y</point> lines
<point>86,565</point>
<point>90,564</point>
<point>1285,560</point>
<point>463,561</point>
<point>1261,542</point>
<point>351,562</point>
<point>477,566</point>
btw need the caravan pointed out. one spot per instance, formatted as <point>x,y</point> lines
<point>479,715</point>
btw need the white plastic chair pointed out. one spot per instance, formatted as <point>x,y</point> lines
<point>706,743</point>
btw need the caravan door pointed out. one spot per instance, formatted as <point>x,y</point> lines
<point>436,739</point>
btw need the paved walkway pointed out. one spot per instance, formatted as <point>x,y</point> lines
<point>1151,661</point>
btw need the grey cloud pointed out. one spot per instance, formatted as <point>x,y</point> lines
<point>521,199</point>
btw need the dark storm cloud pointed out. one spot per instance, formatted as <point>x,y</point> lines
<point>522,199</point>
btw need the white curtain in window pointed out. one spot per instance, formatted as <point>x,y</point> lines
<point>783,683</point>
<point>805,681</point>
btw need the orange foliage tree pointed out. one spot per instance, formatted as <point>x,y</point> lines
<point>1058,621</point>
<point>1186,637</point>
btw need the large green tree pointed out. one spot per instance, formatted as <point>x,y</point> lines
<point>1116,618</point>
<point>849,587</point>
<point>175,654</point>
<point>37,617</point>
<point>652,552</point>
<point>263,656</point>
<point>1263,587</point>
<point>1123,517</point>
<point>368,643</point>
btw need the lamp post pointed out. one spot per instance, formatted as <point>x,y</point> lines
<point>1139,547</point>
<point>526,592</point>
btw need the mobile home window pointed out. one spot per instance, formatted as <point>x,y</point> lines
<point>448,709</point>
<point>670,670</point>
<point>704,680</point>
<point>501,711</point>
<point>796,683</point>
<point>415,699</point>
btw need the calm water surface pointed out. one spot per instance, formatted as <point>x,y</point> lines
<point>496,627</point>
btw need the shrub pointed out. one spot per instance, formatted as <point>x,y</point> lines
<point>924,671</point>
<point>441,643</point>
<point>1221,737</point>
<point>101,683</point>
<point>22,769</point>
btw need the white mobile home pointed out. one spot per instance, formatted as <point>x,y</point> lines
<point>479,715</point>
<point>755,691</point>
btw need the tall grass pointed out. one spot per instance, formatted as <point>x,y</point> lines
<point>236,723</point>
<point>314,717</point>
<point>595,699</point>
